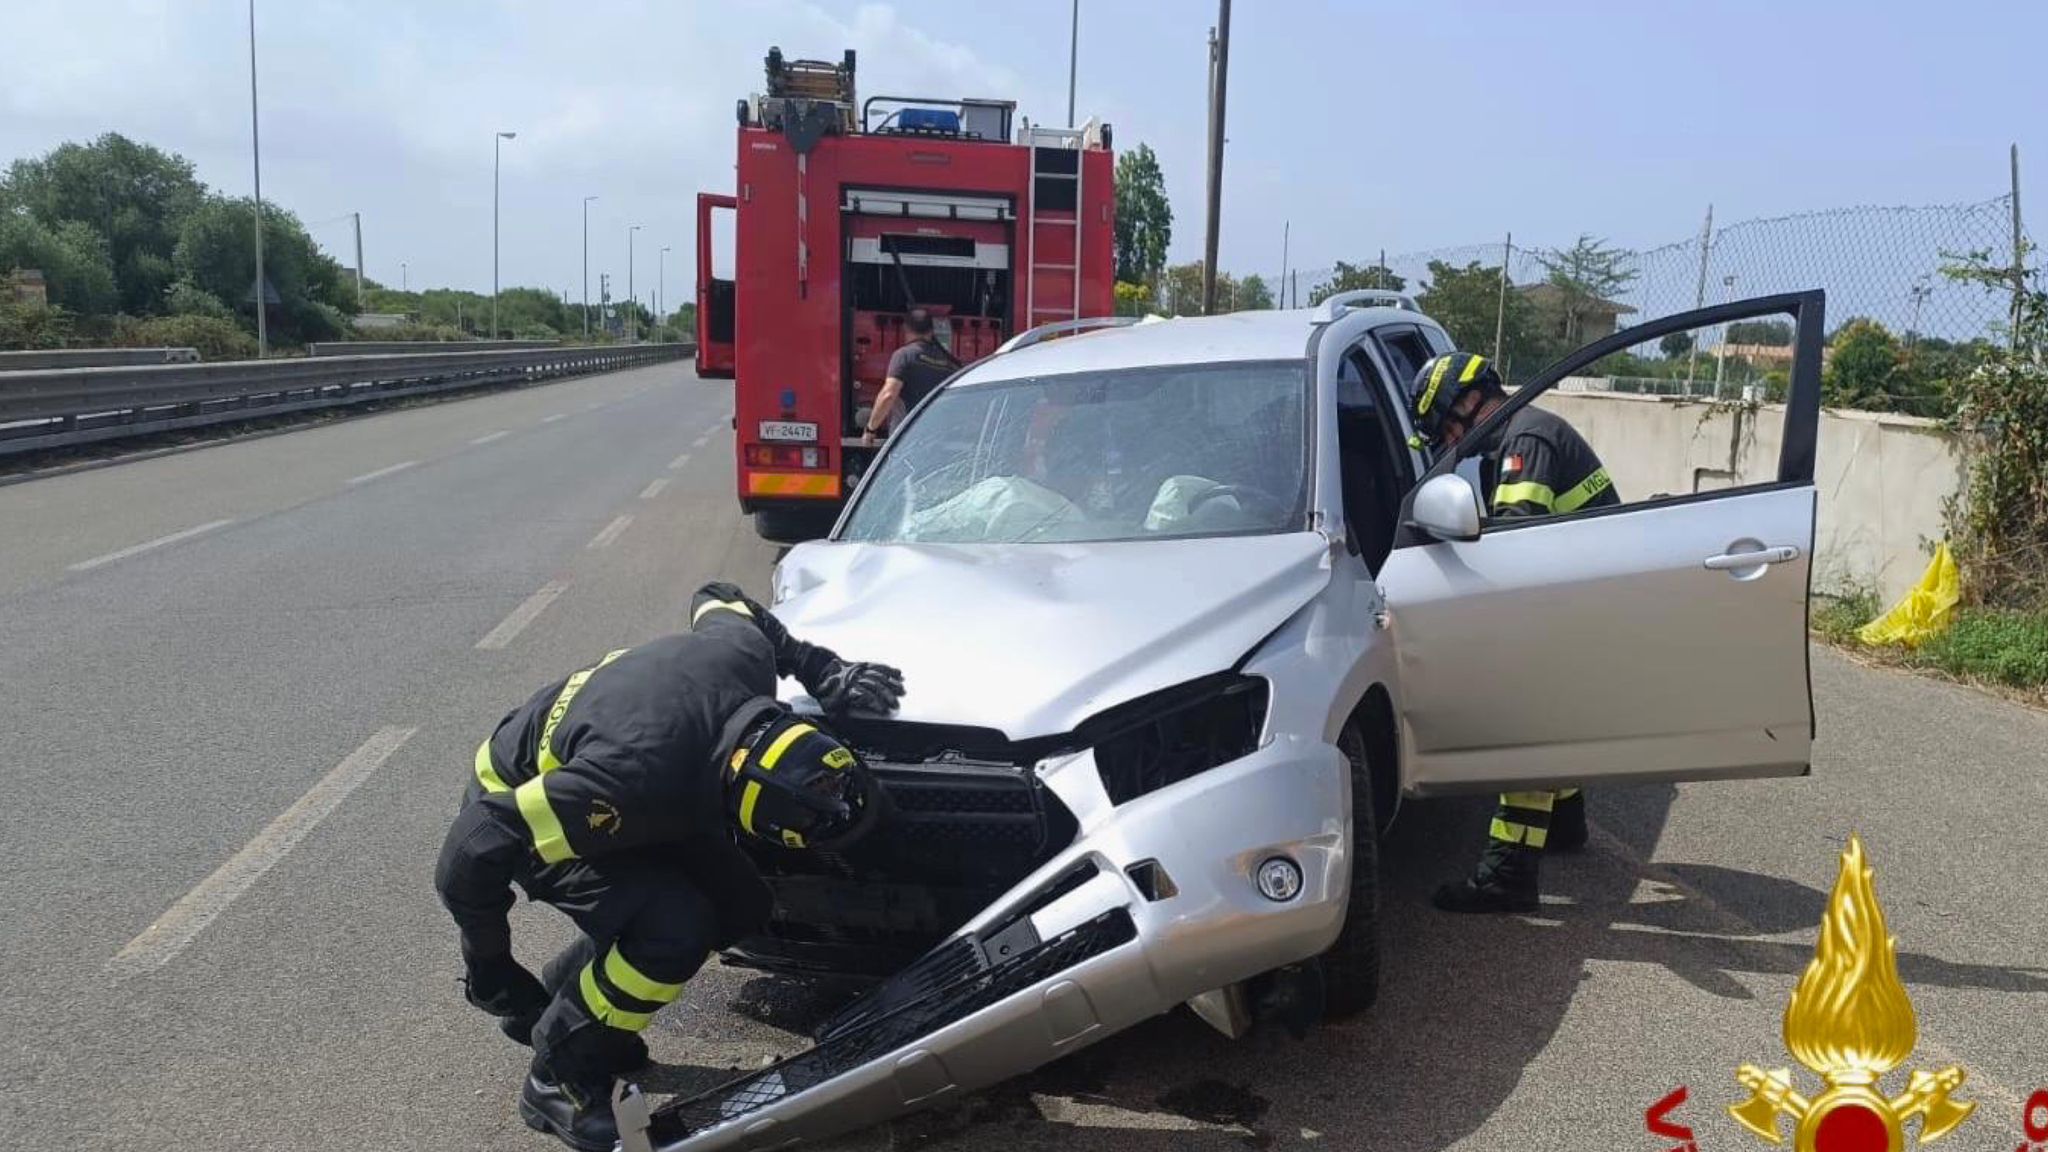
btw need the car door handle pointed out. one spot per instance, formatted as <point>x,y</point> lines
<point>1735,561</point>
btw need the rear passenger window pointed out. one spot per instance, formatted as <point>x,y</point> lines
<point>1406,351</point>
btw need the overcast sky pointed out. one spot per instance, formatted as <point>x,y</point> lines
<point>1395,124</point>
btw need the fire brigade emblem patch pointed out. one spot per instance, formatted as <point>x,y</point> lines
<point>604,817</point>
<point>1510,464</point>
<point>1850,1023</point>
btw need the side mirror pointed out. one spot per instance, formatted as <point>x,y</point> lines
<point>1447,508</point>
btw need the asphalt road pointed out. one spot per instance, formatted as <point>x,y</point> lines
<point>242,688</point>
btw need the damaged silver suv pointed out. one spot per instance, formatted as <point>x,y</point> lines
<point>1184,618</point>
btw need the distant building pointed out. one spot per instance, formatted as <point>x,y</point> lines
<point>27,287</point>
<point>1597,318</point>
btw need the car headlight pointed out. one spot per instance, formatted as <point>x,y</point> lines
<point>1164,738</point>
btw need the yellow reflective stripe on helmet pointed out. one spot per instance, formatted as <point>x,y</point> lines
<point>749,796</point>
<point>839,759</point>
<point>548,760</point>
<point>636,983</point>
<point>1472,368</point>
<point>607,1012</point>
<point>1436,377</point>
<point>549,841</point>
<point>1576,496</point>
<point>1525,492</point>
<point>487,772</point>
<point>782,744</point>
<point>714,605</point>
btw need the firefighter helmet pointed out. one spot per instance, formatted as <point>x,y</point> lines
<point>789,782</point>
<point>1435,392</point>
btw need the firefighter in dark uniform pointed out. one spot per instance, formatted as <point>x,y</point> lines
<point>616,795</point>
<point>1536,465</point>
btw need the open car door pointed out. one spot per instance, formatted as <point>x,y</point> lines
<point>715,297</point>
<point>1663,639</point>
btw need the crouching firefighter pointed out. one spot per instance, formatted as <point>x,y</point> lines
<point>1537,464</point>
<point>616,795</point>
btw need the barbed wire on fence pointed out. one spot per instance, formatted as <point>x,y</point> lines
<point>1883,263</point>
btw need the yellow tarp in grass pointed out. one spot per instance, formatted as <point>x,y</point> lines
<point>1925,611</point>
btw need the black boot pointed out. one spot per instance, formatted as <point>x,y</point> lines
<point>625,1051</point>
<point>569,1088</point>
<point>1505,881</point>
<point>1567,824</point>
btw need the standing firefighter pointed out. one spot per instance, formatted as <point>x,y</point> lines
<point>1535,465</point>
<point>615,796</point>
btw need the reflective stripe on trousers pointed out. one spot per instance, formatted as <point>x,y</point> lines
<point>1524,817</point>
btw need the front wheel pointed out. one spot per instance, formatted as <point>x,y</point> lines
<point>785,525</point>
<point>1351,968</point>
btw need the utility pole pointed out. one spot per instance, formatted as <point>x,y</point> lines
<point>495,141</point>
<point>1073,58</point>
<point>1219,78</point>
<point>359,259</point>
<point>2019,250</point>
<point>1721,345</point>
<point>1280,288</point>
<point>632,314</point>
<point>256,162</point>
<point>1692,354</point>
<point>1500,309</point>
<point>586,267</point>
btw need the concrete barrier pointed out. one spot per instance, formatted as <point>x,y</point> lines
<point>1883,478</point>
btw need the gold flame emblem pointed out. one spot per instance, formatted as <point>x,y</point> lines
<point>1850,1023</point>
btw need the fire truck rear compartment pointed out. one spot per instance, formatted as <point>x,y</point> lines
<point>903,251</point>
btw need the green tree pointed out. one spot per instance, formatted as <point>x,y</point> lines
<point>1253,295</point>
<point>1588,274</point>
<point>1133,299</point>
<point>1772,333</point>
<point>1468,303</point>
<point>1863,365</point>
<point>134,197</point>
<point>1144,218</point>
<point>77,274</point>
<point>214,254</point>
<point>1676,345</point>
<point>1346,277</point>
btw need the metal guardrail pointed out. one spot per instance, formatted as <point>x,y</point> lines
<point>52,408</point>
<point>438,347</point>
<point>95,358</point>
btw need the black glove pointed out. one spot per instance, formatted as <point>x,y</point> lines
<point>844,688</point>
<point>502,987</point>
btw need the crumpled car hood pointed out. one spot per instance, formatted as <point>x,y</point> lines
<point>1031,639</point>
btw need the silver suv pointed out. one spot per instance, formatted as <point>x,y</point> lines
<point>1184,616</point>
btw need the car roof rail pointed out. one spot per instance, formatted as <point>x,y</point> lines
<point>1336,303</point>
<point>1058,328</point>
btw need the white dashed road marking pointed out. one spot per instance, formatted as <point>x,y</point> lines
<point>654,488</point>
<point>611,532</point>
<point>148,545</point>
<point>177,928</point>
<point>380,473</point>
<point>486,439</point>
<point>678,462</point>
<point>511,626</point>
<point>552,419</point>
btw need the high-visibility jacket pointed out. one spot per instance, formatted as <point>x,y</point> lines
<point>1544,468</point>
<point>625,755</point>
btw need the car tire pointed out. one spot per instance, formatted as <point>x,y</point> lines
<point>1351,968</point>
<point>794,525</point>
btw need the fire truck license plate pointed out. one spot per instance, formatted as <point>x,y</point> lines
<point>788,430</point>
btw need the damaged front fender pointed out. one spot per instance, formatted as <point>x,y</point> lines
<point>1088,945</point>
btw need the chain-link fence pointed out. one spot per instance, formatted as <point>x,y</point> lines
<point>1880,263</point>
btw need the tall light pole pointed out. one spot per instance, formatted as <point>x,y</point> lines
<point>1073,58</point>
<point>586,267</point>
<point>661,287</point>
<point>495,142</point>
<point>256,162</point>
<point>359,259</point>
<point>634,312</point>
<point>1721,347</point>
<point>404,277</point>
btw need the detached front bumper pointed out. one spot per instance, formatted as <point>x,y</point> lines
<point>1153,904</point>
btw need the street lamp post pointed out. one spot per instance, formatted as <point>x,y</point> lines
<point>634,312</point>
<point>586,266</point>
<point>661,288</point>
<point>495,141</point>
<point>404,278</point>
<point>1721,349</point>
<point>256,163</point>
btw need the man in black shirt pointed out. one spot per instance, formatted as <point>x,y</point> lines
<point>915,369</point>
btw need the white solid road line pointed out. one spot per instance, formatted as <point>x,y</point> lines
<point>611,532</point>
<point>486,439</point>
<point>511,626</point>
<point>678,462</point>
<point>380,473</point>
<point>176,928</point>
<point>654,488</point>
<point>552,419</point>
<point>148,545</point>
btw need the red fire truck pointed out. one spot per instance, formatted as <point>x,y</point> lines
<point>847,215</point>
